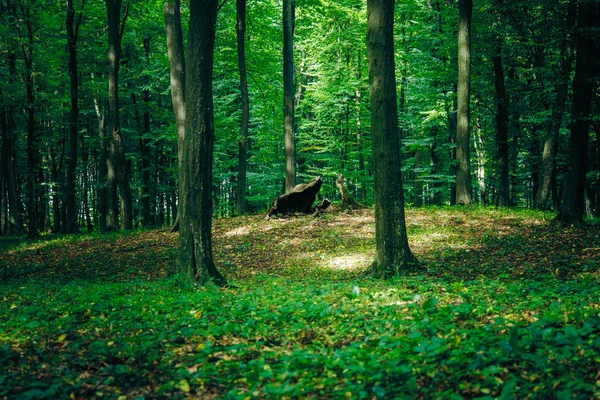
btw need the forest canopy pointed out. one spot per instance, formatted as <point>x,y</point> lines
<point>55,61</point>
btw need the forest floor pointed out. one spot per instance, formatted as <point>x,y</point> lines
<point>509,307</point>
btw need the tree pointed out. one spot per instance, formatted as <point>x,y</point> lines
<point>241,204</point>
<point>572,206</point>
<point>548,164</point>
<point>463,171</point>
<point>195,184</point>
<point>117,169</point>
<point>289,94</point>
<point>9,126</point>
<point>73,22</point>
<point>392,251</point>
<point>501,125</point>
<point>176,52</point>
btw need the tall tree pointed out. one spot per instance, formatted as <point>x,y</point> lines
<point>289,94</point>
<point>548,164</point>
<point>9,133</point>
<point>116,159</point>
<point>392,251</point>
<point>463,171</point>
<point>176,52</point>
<point>501,125</point>
<point>34,171</point>
<point>146,148</point>
<point>195,184</point>
<point>572,206</point>
<point>241,203</point>
<point>73,22</point>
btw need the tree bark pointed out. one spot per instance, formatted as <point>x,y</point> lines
<point>241,203</point>
<point>572,206</point>
<point>8,151</point>
<point>72,34</point>
<point>177,71</point>
<point>148,197</point>
<point>86,204</point>
<point>501,126</point>
<point>548,164</point>
<point>463,172</point>
<point>348,201</point>
<point>116,146</point>
<point>289,133</point>
<point>195,257</point>
<point>392,251</point>
<point>102,193</point>
<point>34,191</point>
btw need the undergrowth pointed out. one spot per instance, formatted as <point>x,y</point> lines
<point>508,308</point>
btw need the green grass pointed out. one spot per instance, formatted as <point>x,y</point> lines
<point>509,308</point>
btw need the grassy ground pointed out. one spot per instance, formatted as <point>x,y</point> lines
<point>509,308</point>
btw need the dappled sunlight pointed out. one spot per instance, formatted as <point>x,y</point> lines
<point>241,231</point>
<point>354,261</point>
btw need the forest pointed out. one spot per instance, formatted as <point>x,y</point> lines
<point>299,199</point>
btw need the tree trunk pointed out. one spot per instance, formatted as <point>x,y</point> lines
<point>392,251</point>
<point>451,113</point>
<point>103,175</point>
<point>289,133</point>
<point>8,156</point>
<point>85,189</point>
<point>572,205</point>
<point>72,33</point>
<point>463,172</point>
<point>195,258</point>
<point>348,201</point>
<point>177,71</point>
<point>148,197</point>
<point>548,164</point>
<point>241,203</point>
<point>34,191</point>
<point>501,126</point>
<point>116,146</point>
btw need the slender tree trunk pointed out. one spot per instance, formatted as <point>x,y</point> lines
<point>103,175</point>
<point>452,140</point>
<point>86,183</point>
<point>72,33</point>
<point>359,133</point>
<point>392,251</point>
<point>548,164</point>
<point>177,70</point>
<point>195,185</point>
<point>117,149</point>
<point>148,192</point>
<point>34,192</point>
<point>501,126</point>
<point>288,94</point>
<point>8,150</point>
<point>241,203</point>
<point>463,172</point>
<point>572,205</point>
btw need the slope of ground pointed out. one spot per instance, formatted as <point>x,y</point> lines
<point>508,308</point>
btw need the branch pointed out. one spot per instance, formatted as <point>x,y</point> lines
<point>221,5</point>
<point>123,21</point>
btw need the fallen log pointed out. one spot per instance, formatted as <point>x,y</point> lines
<point>300,199</point>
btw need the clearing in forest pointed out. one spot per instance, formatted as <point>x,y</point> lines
<point>508,307</point>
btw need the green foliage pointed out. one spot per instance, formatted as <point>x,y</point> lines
<point>494,316</point>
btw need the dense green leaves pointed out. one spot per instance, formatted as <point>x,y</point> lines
<point>507,309</point>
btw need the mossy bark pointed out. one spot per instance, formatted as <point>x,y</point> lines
<point>393,254</point>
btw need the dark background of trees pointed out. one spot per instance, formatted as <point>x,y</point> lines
<point>76,156</point>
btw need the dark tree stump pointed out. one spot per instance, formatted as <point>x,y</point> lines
<point>348,201</point>
<point>299,199</point>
